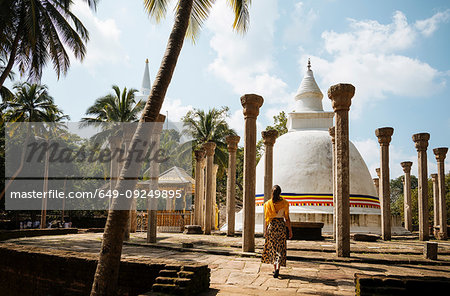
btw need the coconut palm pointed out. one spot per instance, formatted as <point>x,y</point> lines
<point>34,31</point>
<point>114,108</point>
<point>189,18</point>
<point>211,126</point>
<point>31,103</point>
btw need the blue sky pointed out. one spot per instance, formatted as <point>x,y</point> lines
<point>396,53</point>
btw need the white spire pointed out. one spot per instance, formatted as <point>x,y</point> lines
<point>145,88</point>
<point>309,97</point>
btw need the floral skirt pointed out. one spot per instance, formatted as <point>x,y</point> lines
<point>275,244</point>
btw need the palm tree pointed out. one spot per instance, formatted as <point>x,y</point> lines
<point>31,103</point>
<point>51,131</point>
<point>189,17</point>
<point>113,108</point>
<point>208,126</point>
<point>34,31</point>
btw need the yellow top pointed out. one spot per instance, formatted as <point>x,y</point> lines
<point>280,209</point>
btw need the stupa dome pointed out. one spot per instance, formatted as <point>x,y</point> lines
<point>302,165</point>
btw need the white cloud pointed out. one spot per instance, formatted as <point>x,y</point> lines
<point>301,22</point>
<point>370,36</point>
<point>236,122</point>
<point>175,109</point>
<point>368,57</point>
<point>104,45</point>
<point>246,64</point>
<point>429,25</point>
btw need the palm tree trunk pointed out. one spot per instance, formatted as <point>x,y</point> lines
<point>45,189</point>
<point>12,58</point>
<point>106,275</point>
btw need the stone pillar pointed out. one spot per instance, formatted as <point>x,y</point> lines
<point>376,183</point>
<point>378,171</point>
<point>269,138</point>
<point>251,104</point>
<point>332,131</point>
<point>384,135</point>
<point>407,206</point>
<point>232,145</point>
<point>152,214</point>
<point>341,95</point>
<point>199,155</point>
<point>434,179</point>
<point>440,154</point>
<point>128,133</point>
<point>114,144</point>
<point>209,148</point>
<point>421,143</point>
<point>214,197</point>
<point>203,192</point>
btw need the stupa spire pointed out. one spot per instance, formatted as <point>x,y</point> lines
<point>309,97</point>
<point>145,87</point>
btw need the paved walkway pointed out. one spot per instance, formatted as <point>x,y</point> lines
<point>313,268</point>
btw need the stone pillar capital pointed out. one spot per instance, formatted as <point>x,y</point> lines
<point>232,142</point>
<point>269,137</point>
<point>440,153</point>
<point>209,148</point>
<point>341,96</point>
<point>421,141</point>
<point>406,165</point>
<point>332,131</point>
<point>434,177</point>
<point>378,172</point>
<point>199,154</point>
<point>251,104</point>
<point>384,135</point>
<point>376,182</point>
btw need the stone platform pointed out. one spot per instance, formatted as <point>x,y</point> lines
<point>312,266</point>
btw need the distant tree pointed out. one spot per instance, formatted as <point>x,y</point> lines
<point>397,198</point>
<point>397,194</point>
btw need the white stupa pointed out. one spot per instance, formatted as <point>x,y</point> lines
<point>302,166</point>
<point>146,86</point>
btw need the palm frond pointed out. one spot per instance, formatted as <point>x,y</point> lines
<point>156,9</point>
<point>241,14</point>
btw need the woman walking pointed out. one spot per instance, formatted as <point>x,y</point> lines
<point>276,218</point>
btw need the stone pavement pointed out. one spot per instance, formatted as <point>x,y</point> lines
<point>313,268</point>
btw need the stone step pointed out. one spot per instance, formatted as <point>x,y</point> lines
<point>182,282</point>
<point>169,289</point>
<point>185,274</point>
<point>168,273</point>
<point>165,280</point>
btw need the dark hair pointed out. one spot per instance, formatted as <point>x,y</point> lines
<point>276,191</point>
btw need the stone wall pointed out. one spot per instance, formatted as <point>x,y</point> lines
<point>399,285</point>
<point>10,234</point>
<point>29,270</point>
